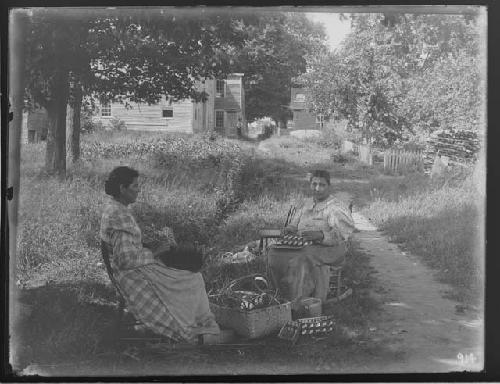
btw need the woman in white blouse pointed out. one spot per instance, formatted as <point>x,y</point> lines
<point>327,223</point>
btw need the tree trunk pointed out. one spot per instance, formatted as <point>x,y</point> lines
<point>69,131</point>
<point>55,157</point>
<point>75,134</point>
<point>73,128</point>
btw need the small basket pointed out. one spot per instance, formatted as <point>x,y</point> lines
<point>316,325</point>
<point>290,331</point>
<point>254,323</point>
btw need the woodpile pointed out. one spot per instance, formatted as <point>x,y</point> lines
<point>459,146</point>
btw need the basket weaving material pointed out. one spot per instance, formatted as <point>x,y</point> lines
<point>255,323</point>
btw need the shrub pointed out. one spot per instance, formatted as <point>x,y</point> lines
<point>88,125</point>
<point>117,124</point>
<point>328,139</point>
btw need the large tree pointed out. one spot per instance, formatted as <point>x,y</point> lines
<point>276,50</point>
<point>397,74</point>
<point>119,55</point>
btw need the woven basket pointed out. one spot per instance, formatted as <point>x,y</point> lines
<point>255,323</point>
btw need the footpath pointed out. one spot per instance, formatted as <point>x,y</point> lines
<point>417,320</point>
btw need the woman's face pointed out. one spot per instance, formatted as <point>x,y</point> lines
<point>319,188</point>
<point>129,194</point>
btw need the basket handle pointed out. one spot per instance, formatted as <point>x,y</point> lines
<point>255,276</point>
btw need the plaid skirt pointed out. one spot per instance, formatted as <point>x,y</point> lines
<point>168,301</point>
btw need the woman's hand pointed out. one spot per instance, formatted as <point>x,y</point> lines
<point>290,230</point>
<point>163,247</point>
<point>314,236</point>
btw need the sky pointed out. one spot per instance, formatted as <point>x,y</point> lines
<point>336,30</point>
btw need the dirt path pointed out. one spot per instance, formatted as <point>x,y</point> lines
<point>416,319</point>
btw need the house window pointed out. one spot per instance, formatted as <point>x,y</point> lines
<point>300,97</point>
<point>168,112</point>
<point>219,88</point>
<point>105,109</point>
<point>219,119</point>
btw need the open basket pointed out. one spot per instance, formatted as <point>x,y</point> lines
<point>251,323</point>
<point>254,323</point>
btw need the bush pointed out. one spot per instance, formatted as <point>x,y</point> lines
<point>89,126</point>
<point>328,139</point>
<point>117,124</point>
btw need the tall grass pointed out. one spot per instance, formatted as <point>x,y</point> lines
<point>441,222</point>
<point>58,233</point>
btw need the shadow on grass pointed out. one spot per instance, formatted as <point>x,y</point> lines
<point>71,330</point>
<point>62,322</point>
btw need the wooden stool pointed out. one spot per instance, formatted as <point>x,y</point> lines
<point>336,280</point>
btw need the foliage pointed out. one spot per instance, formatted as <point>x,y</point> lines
<point>117,124</point>
<point>452,100</point>
<point>88,125</point>
<point>395,75</point>
<point>137,55</point>
<point>277,47</point>
<point>166,151</point>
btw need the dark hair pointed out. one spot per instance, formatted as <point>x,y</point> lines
<point>320,173</point>
<point>119,176</point>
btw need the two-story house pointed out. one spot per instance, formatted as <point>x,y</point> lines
<point>220,112</point>
<point>303,118</point>
<point>224,106</point>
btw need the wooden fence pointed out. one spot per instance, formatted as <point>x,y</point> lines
<point>399,161</point>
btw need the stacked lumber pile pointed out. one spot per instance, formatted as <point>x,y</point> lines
<point>459,146</point>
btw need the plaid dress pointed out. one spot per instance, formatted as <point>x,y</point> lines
<point>168,301</point>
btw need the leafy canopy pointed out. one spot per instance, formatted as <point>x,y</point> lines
<point>397,75</point>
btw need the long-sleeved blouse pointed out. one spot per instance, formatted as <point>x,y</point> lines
<point>120,230</point>
<point>330,216</point>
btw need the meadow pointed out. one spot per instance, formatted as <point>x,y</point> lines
<point>218,192</point>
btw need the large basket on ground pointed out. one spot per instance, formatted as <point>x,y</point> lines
<point>254,323</point>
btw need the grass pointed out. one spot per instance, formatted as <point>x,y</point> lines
<point>440,222</point>
<point>222,205</point>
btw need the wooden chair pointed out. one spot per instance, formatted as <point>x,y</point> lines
<point>125,321</point>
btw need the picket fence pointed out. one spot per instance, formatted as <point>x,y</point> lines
<point>399,161</point>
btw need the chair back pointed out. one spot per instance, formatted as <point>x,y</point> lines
<point>105,257</point>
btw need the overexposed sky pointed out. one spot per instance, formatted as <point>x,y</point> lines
<point>336,30</point>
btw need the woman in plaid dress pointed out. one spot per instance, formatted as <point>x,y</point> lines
<point>171,302</point>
